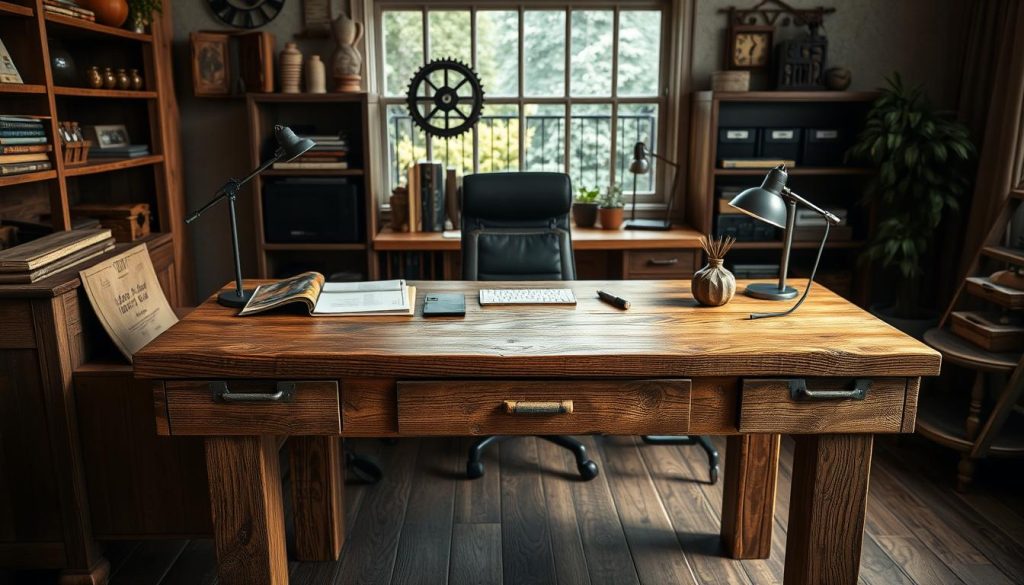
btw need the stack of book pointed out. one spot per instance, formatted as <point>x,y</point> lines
<point>51,254</point>
<point>330,153</point>
<point>24,146</point>
<point>68,8</point>
<point>126,151</point>
<point>427,196</point>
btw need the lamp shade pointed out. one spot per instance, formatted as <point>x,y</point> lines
<point>291,145</point>
<point>765,202</point>
<point>640,164</point>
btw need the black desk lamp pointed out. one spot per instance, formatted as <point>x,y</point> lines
<point>775,204</point>
<point>641,166</point>
<point>289,146</point>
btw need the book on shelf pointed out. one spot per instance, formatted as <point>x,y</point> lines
<point>413,189</point>
<point>837,233</point>
<point>48,249</point>
<point>8,72</point>
<point>755,270</point>
<point>25,148</point>
<point>29,167</point>
<point>23,140</point>
<point>755,163</point>
<point>21,124</point>
<point>30,120</point>
<point>385,297</point>
<point>811,218</point>
<point>308,165</point>
<point>130,151</point>
<point>21,132</point>
<point>431,180</point>
<point>69,261</point>
<point>69,10</point>
<point>23,158</point>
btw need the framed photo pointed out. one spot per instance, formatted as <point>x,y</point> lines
<point>109,135</point>
<point>749,46</point>
<point>210,62</point>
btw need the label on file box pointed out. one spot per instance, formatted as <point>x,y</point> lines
<point>737,134</point>
<point>782,134</point>
<point>826,134</point>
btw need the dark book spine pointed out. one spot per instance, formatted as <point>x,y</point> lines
<point>16,168</point>
<point>21,133</point>
<point>426,197</point>
<point>437,196</point>
<point>7,125</point>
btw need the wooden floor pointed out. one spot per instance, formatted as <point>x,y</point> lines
<point>649,518</point>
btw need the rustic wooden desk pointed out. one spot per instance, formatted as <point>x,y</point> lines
<point>830,374</point>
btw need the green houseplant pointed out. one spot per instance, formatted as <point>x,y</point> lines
<point>140,13</point>
<point>584,208</point>
<point>611,208</point>
<point>922,158</point>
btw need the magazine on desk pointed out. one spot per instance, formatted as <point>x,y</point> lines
<point>338,299</point>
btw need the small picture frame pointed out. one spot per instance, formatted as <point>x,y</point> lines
<point>749,47</point>
<point>211,75</point>
<point>109,135</point>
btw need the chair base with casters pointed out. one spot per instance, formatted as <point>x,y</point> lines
<point>586,467</point>
<point>703,440</point>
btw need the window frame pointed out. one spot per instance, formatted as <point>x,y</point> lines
<point>665,143</point>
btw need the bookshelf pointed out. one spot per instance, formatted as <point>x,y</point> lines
<point>835,185</point>
<point>150,115</point>
<point>329,113</point>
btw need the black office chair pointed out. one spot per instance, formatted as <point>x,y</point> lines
<point>515,226</point>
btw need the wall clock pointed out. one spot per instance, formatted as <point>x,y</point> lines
<point>749,46</point>
<point>246,13</point>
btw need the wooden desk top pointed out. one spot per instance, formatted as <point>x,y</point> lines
<point>582,239</point>
<point>663,334</point>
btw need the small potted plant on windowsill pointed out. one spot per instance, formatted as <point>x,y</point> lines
<point>584,208</point>
<point>140,13</point>
<point>611,209</point>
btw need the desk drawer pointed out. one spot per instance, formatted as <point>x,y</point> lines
<point>679,263</point>
<point>252,407</point>
<point>513,407</point>
<point>822,405</point>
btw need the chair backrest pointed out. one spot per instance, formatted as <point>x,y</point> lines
<point>515,226</point>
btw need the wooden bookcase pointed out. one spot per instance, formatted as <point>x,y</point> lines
<point>328,113</point>
<point>150,115</point>
<point>827,186</point>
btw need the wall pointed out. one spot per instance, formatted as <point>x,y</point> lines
<point>919,38</point>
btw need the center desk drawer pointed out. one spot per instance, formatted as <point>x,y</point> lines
<point>537,407</point>
<point>249,407</point>
<point>822,405</point>
<point>641,264</point>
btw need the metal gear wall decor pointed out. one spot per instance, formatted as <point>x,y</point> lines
<point>445,98</point>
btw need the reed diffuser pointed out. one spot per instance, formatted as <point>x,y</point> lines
<point>714,285</point>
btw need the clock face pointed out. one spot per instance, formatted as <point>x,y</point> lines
<point>246,13</point>
<point>751,49</point>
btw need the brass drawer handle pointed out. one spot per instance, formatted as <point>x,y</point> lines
<point>285,391</point>
<point>538,407</point>
<point>798,391</point>
<point>665,262</point>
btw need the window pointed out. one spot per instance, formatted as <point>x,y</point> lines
<point>566,90</point>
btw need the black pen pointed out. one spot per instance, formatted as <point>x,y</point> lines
<point>613,300</point>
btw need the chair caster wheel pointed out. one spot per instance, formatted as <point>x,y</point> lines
<point>587,469</point>
<point>714,475</point>
<point>474,469</point>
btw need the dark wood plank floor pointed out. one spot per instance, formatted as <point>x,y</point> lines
<point>649,518</point>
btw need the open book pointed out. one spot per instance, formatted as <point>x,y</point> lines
<point>384,297</point>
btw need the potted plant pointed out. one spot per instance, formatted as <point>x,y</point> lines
<point>140,13</point>
<point>611,208</point>
<point>584,208</point>
<point>922,160</point>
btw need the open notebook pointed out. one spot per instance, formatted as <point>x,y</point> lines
<point>342,299</point>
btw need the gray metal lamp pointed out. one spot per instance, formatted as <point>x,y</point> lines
<point>775,204</point>
<point>289,146</point>
<point>641,166</point>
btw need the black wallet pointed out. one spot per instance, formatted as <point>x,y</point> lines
<point>444,305</point>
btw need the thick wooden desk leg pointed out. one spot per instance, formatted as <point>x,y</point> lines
<point>826,509</point>
<point>318,491</point>
<point>248,512</point>
<point>748,498</point>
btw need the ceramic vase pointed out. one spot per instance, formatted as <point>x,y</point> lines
<point>347,62</point>
<point>611,217</point>
<point>109,79</point>
<point>94,77</point>
<point>123,81</point>
<point>291,68</point>
<point>137,81</point>
<point>316,76</point>
<point>713,285</point>
<point>109,12</point>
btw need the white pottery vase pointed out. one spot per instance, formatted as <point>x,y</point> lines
<point>291,69</point>
<point>347,62</point>
<point>316,77</point>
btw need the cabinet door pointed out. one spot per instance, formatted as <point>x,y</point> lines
<point>163,263</point>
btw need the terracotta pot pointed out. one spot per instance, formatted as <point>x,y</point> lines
<point>584,214</point>
<point>109,12</point>
<point>611,217</point>
<point>713,285</point>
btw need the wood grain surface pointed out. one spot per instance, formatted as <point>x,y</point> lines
<point>748,508</point>
<point>318,496</point>
<point>663,334</point>
<point>582,239</point>
<point>766,407</point>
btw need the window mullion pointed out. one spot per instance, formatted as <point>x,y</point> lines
<point>521,74</point>
<point>475,130</point>
<point>567,89</point>
<point>615,93</point>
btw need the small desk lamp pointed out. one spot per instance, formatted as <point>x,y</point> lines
<point>641,166</point>
<point>775,204</point>
<point>289,146</point>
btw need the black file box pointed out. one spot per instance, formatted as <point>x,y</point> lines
<point>781,143</point>
<point>825,147</point>
<point>737,143</point>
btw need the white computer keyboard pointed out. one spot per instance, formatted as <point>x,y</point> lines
<point>527,296</point>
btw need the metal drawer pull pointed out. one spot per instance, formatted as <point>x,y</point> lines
<point>285,391</point>
<point>798,391</point>
<point>665,262</point>
<point>538,407</point>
